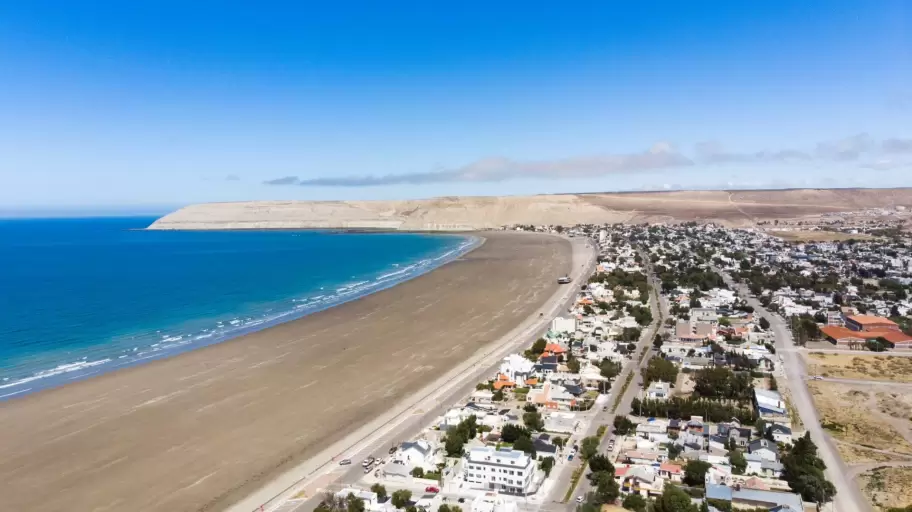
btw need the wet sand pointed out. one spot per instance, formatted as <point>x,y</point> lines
<point>203,429</point>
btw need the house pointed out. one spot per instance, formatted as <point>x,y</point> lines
<point>658,391</point>
<point>370,499</point>
<point>671,471</point>
<point>765,448</point>
<point>417,453</point>
<point>690,442</point>
<point>492,502</point>
<point>754,498</point>
<point>769,403</point>
<point>503,382</point>
<point>482,396</point>
<point>707,315</point>
<point>516,368</point>
<point>561,422</point>
<point>642,457</point>
<point>553,349</point>
<point>780,433</point>
<point>757,465</point>
<point>641,480</point>
<point>696,363</point>
<point>506,471</point>
<point>563,325</point>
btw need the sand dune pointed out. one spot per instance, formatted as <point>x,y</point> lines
<point>733,208</point>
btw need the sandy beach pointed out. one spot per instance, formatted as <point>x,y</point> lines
<point>202,430</point>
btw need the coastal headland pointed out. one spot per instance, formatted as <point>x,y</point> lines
<point>202,430</point>
<point>731,208</point>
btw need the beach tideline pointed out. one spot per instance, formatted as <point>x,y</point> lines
<point>201,430</point>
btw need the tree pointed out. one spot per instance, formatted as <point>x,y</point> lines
<point>764,323</point>
<point>539,346</point>
<point>558,441</point>
<point>453,445</point>
<point>533,421</point>
<point>659,369</point>
<point>573,365</point>
<point>354,503</point>
<point>401,498</point>
<point>634,502</point>
<point>498,396</point>
<point>738,462</point>
<point>331,503</point>
<point>510,433</point>
<point>622,425</point>
<point>380,491</point>
<point>606,488</point>
<point>695,472</point>
<point>546,465</point>
<point>417,472</point>
<point>525,444</point>
<point>657,342</point>
<point>674,499</point>
<point>600,462</point>
<point>589,447</point>
<point>694,301</point>
<point>609,369</point>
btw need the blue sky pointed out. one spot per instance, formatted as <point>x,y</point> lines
<point>116,104</point>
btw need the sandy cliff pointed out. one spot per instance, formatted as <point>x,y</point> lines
<point>471,213</point>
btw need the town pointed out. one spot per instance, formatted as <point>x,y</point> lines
<point>697,368</point>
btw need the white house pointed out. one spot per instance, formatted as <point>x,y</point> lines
<point>517,368</point>
<point>506,470</point>
<point>369,498</point>
<point>658,391</point>
<point>417,453</point>
<point>561,324</point>
<point>765,449</point>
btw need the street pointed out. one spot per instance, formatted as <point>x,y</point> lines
<point>848,497</point>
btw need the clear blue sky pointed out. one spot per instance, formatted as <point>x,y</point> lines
<point>112,103</point>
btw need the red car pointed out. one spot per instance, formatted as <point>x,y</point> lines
<point>431,488</point>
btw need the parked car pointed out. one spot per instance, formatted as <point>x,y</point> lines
<point>570,457</point>
<point>579,499</point>
<point>431,488</point>
<point>392,449</point>
<point>345,462</point>
<point>368,469</point>
<point>461,500</point>
<point>367,462</point>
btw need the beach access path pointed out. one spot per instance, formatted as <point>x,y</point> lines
<point>207,428</point>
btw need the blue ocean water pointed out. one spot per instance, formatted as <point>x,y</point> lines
<point>83,296</point>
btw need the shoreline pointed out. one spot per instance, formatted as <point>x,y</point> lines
<point>205,429</point>
<point>83,368</point>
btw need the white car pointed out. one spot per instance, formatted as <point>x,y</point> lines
<point>579,499</point>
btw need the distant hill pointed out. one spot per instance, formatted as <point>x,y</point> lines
<point>732,208</point>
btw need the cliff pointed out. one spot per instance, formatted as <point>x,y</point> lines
<point>732,208</point>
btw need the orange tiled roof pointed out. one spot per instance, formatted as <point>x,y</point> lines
<point>838,333</point>
<point>554,348</point>
<point>671,468</point>
<point>531,382</point>
<point>871,320</point>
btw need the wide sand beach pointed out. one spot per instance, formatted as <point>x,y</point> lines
<point>201,430</point>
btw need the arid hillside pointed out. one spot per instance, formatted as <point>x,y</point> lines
<point>733,208</point>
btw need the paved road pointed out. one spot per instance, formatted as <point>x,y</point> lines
<point>848,497</point>
<point>863,382</point>
<point>422,415</point>
<point>623,408</point>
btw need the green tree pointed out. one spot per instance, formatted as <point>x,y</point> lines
<point>546,465</point>
<point>695,472</point>
<point>609,369</point>
<point>417,472</point>
<point>533,421</point>
<point>558,441</point>
<point>510,433</point>
<point>401,498</point>
<point>538,347</point>
<point>589,447</point>
<point>623,425</point>
<point>525,444</point>
<point>380,491</point>
<point>606,488</point>
<point>354,503</point>
<point>573,365</point>
<point>659,369</point>
<point>657,342</point>
<point>599,463</point>
<point>635,502</point>
<point>673,499</point>
<point>738,462</point>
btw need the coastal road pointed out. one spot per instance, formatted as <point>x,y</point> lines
<point>415,414</point>
<point>848,497</point>
<point>555,501</point>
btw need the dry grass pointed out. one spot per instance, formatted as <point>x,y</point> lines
<point>846,413</point>
<point>684,385</point>
<point>861,367</point>
<point>896,405</point>
<point>817,236</point>
<point>887,487</point>
<point>855,455</point>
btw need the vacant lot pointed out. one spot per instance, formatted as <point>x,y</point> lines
<point>887,487</point>
<point>863,367</point>
<point>817,236</point>
<point>852,414</point>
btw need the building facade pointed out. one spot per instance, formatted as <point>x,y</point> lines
<point>506,470</point>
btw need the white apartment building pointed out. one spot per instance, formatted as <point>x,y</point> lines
<point>561,324</point>
<point>506,470</point>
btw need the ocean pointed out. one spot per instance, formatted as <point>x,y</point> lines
<point>79,297</point>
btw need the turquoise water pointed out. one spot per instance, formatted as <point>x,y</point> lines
<point>82,296</point>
